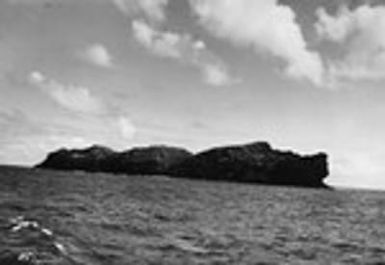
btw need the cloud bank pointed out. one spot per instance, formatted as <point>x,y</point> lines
<point>184,48</point>
<point>71,97</point>
<point>147,17</point>
<point>79,99</point>
<point>267,27</point>
<point>361,34</point>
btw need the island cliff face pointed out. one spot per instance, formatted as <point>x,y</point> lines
<point>153,160</point>
<point>92,159</point>
<point>255,163</point>
<point>144,160</point>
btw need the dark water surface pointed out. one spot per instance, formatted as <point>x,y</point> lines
<point>49,217</point>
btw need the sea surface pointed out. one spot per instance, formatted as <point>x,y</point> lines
<point>52,217</point>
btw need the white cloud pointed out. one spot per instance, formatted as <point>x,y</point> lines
<point>361,35</point>
<point>126,127</point>
<point>37,77</point>
<point>165,44</point>
<point>215,75</point>
<point>199,45</point>
<point>334,28</point>
<point>74,98</point>
<point>98,54</point>
<point>349,168</point>
<point>24,139</point>
<point>80,99</point>
<point>154,10</point>
<point>266,26</point>
<point>183,48</point>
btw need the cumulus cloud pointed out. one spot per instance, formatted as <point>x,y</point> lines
<point>183,48</point>
<point>98,54</point>
<point>80,99</point>
<point>24,139</point>
<point>264,25</point>
<point>215,75</point>
<point>71,97</point>
<point>153,10</point>
<point>126,127</point>
<point>37,77</point>
<point>361,35</point>
<point>165,44</point>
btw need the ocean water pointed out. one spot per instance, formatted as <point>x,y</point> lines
<point>49,217</point>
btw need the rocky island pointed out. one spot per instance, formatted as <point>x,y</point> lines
<point>253,163</point>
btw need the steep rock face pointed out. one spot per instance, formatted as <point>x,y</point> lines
<point>256,162</point>
<point>147,160</point>
<point>91,159</point>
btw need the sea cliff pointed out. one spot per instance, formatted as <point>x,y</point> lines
<point>255,162</point>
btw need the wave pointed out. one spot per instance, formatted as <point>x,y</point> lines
<point>29,242</point>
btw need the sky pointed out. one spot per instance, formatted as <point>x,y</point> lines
<point>303,75</point>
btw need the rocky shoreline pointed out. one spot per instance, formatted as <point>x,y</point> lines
<point>256,162</point>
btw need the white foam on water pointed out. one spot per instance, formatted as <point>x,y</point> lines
<point>16,220</point>
<point>188,246</point>
<point>25,224</point>
<point>46,231</point>
<point>19,223</point>
<point>60,247</point>
<point>26,256</point>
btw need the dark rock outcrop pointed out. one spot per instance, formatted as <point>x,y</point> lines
<point>145,160</point>
<point>256,162</point>
<point>91,159</point>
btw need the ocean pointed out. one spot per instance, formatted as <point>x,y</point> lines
<point>53,217</point>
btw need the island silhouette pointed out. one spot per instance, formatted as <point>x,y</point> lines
<point>255,162</point>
